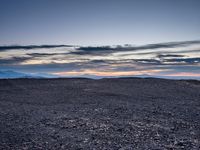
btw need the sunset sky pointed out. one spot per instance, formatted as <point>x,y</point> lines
<point>101,37</point>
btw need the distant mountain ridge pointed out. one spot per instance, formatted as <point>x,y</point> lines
<point>9,74</point>
<point>12,74</point>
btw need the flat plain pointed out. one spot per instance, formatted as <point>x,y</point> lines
<point>123,113</point>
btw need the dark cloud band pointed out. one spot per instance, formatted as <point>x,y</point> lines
<point>4,48</point>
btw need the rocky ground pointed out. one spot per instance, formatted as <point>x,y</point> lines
<point>125,114</point>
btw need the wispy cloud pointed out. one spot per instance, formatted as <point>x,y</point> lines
<point>156,59</point>
<point>13,60</point>
<point>169,55</point>
<point>15,47</point>
<point>108,49</point>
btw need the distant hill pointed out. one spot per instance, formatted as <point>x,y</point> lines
<point>12,74</point>
<point>8,74</point>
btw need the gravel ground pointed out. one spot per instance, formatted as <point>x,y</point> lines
<point>125,114</point>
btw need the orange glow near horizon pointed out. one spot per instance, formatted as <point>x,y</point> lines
<point>186,74</point>
<point>106,73</point>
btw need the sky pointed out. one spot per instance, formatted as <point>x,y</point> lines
<point>101,38</point>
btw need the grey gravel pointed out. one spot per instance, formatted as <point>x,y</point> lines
<point>118,114</point>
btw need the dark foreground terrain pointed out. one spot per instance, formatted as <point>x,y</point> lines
<point>99,114</point>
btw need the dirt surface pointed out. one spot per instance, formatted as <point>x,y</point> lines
<point>129,113</point>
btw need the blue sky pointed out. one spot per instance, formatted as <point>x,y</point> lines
<point>88,37</point>
<point>100,22</point>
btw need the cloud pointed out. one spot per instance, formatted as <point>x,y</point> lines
<point>98,61</point>
<point>148,61</point>
<point>169,55</point>
<point>41,54</point>
<point>13,60</point>
<point>167,45</point>
<point>105,59</point>
<point>29,47</point>
<point>188,61</point>
<point>173,61</point>
<point>50,67</point>
<point>102,50</point>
